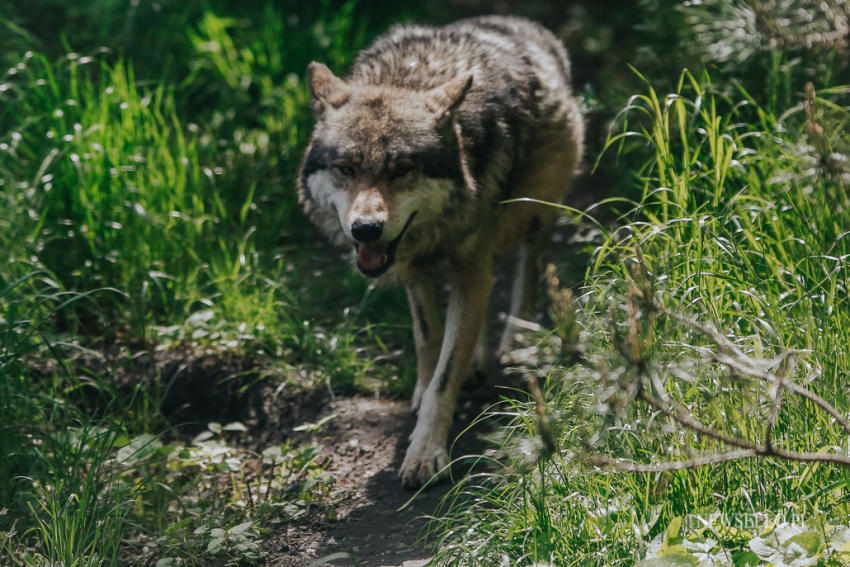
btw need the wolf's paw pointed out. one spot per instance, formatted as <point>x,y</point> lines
<point>422,462</point>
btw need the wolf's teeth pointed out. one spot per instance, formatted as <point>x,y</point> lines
<point>384,259</point>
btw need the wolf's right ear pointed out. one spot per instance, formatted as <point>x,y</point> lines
<point>326,87</point>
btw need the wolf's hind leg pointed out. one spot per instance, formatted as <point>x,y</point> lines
<point>524,286</point>
<point>427,334</point>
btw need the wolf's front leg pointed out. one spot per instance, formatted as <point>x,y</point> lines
<point>426,455</point>
<point>427,334</point>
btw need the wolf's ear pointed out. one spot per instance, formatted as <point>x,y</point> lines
<point>326,87</point>
<point>445,98</point>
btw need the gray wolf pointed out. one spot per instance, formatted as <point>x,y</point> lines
<point>412,156</point>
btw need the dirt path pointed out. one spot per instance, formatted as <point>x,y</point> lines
<point>365,441</point>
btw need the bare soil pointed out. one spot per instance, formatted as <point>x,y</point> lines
<point>365,442</point>
<point>379,523</point>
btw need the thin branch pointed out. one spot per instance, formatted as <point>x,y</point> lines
<point>743,364</point>
<point>836,14</point>
<point>747,448</point>
<point>626,465</point>
<point>774,414</point>
<point>834,458</point>
<point>729,354</point>
<point>686,418</point>
<point>716,336</point>
<point>748,370</point>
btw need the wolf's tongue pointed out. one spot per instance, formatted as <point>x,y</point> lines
<point>371,256</point>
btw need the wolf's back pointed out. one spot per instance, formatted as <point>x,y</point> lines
<point>508,57</point>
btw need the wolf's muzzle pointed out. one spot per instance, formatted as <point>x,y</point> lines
<point>374,259</point>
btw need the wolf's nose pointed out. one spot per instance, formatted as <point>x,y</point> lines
<point>367,232</point>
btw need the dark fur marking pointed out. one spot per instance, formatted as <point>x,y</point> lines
<point>443,379</point>
<point>320,157</point>
<point>376,103</point>
<point>486,137</point>
<point>439,161</point>
<point>560,59</point>
<point>504,30</point>
<point>420,319</point>
<point>489,131</point>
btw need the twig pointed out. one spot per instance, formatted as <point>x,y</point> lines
<point>776,392</point>
<point>748,370</point>
<point>836,13</point>
<point>729,354</point>
<point>743,364</point>
<point>626,465</point>
<point>686,418</point>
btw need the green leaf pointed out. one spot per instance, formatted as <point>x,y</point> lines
<point>744,558</point>
<point>675,527</point>
<point>674,531</point>
<point>809,541</point>
<point>733,535</point>
<point>138,448</point>
<point>677,549</point>
<point>215,544</point>
<point>241,527</point>
<point>202,436</point>
<point>314,426</point>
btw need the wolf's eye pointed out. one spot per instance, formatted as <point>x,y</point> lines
<point>345,170</point>
<point>402,170</point>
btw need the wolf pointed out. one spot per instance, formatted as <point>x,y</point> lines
<point>412,158</point>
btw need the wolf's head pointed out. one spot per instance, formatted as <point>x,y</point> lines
<point>383,161</point>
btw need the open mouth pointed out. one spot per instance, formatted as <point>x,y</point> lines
<point>376,258</point>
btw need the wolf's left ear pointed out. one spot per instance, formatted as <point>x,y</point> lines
<point>326,87</point>
<point>445,98</point>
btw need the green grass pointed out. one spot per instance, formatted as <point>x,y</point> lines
<point>164,178</point>
<point>56,467</point>
<point>742,224</point>
<point>181,195</point>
